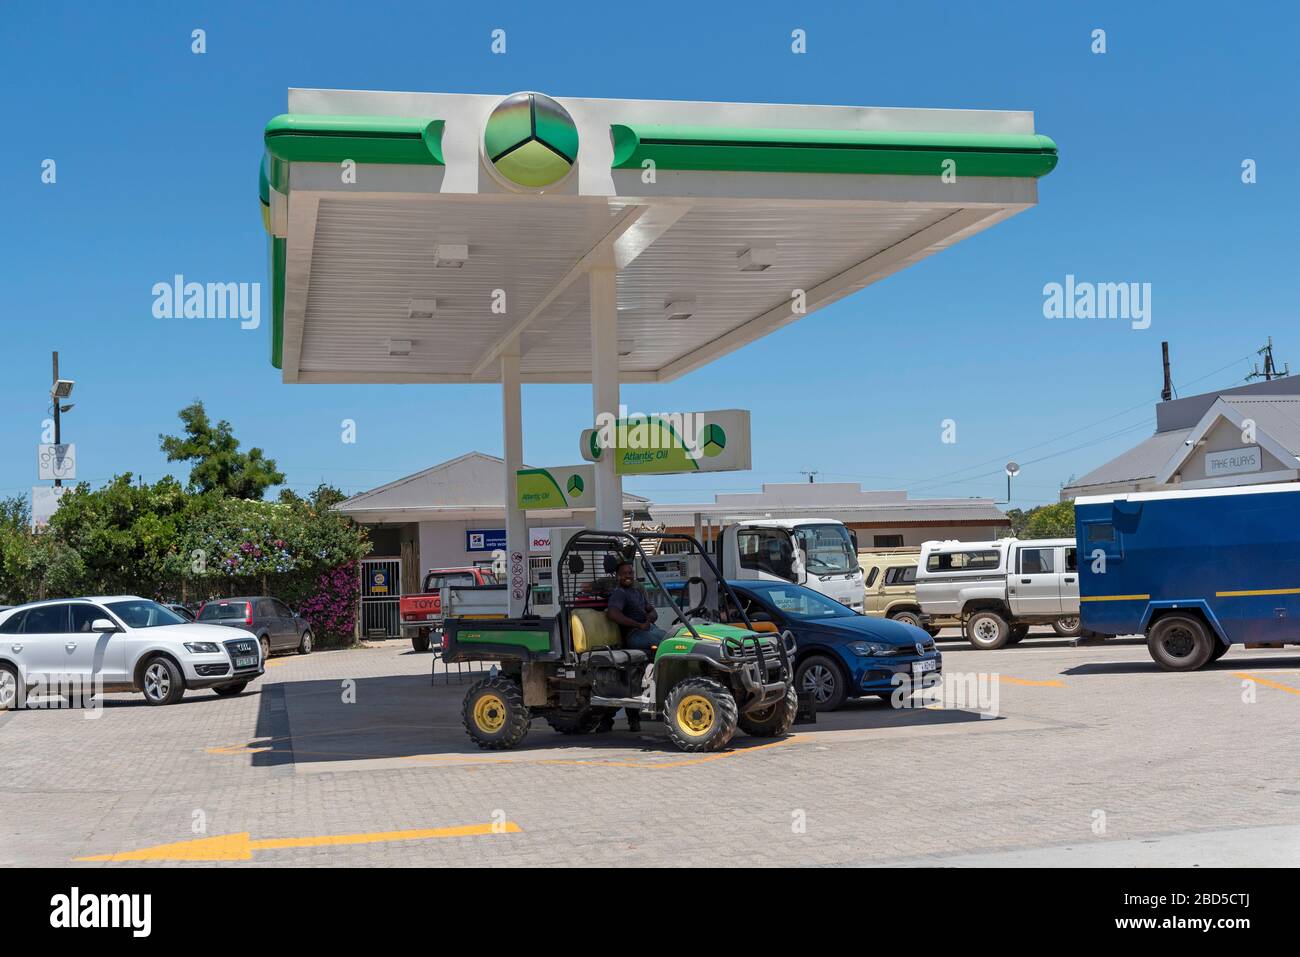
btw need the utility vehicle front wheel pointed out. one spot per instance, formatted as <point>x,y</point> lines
<point>494,714</point>
<point>773,721</point>
<point>700,715</point>
<point>907,617</point>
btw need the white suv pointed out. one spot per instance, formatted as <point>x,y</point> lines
<point>119,643</point>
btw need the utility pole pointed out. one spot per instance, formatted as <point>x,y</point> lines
<point>1269,372</point>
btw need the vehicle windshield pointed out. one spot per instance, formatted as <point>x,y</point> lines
<point>799,602</point>
<point>828,549</point>
<point>140,613</point>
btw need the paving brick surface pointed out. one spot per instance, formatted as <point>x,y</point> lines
<point>1089,745</point>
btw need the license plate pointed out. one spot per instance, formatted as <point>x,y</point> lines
<point>921,667</point>
<point>246,662</point>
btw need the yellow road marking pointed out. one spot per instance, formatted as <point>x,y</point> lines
<point>239,847</point>
<point>1246,675</point>
<point>1115,598</point>
<point>1258,591</point>
<point>1031,684</point>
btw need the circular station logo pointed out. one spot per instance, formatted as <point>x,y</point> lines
<point>530,141</point>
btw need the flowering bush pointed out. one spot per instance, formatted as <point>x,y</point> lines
<point>332,607</point>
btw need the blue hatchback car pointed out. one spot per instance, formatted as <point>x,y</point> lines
<point>841,654</point>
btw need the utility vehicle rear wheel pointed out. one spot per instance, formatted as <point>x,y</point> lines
<point>494,714</point>
<point>575,722</point>
<point>700,715</point>
<point>1179,643</point>
<point>773,721</point>
<point>420,639</point>
<point>987,630</point>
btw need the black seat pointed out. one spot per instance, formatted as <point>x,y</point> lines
<point>613,658</point>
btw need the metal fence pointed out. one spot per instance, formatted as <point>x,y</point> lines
<point>381,593</point>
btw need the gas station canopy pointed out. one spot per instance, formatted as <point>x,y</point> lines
<point>422,237</point>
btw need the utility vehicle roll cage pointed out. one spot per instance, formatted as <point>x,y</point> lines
<point>626,545</point>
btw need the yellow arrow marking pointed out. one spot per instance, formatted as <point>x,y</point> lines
<point>1031,684</point>
<point>238,847</point>
<point>1247,676</point>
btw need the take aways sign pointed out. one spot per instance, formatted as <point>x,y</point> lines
<point>565,486</point>
<point>670,443</point>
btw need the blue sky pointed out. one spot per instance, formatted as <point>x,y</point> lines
<point>157,151</point>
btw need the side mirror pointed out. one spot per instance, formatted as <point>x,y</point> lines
<point>103,626</point>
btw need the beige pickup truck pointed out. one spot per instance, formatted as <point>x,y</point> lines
<point>889,578</point>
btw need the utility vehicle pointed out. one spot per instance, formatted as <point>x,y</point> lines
<point>715,671</point>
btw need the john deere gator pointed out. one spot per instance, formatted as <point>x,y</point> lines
<point>715,671</point>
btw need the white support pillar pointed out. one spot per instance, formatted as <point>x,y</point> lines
<point>512,422</point>
<point>602,280</point>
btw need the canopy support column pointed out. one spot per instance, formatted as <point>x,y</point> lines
<point>516,519</point>
<point>602,280</point>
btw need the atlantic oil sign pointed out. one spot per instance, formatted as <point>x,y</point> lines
<point>664,443</point>
<point>565,486</point>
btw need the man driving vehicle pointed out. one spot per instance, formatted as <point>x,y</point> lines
<point>632,612</point>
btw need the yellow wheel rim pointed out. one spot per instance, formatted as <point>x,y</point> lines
<point>490,713</point>
<point>695,715</point>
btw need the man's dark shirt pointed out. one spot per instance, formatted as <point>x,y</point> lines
<point>631,602</point>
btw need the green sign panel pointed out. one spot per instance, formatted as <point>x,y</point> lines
<point>568,486</point>
<point>670,443</point>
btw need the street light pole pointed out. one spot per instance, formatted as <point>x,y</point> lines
<point>57,431</point>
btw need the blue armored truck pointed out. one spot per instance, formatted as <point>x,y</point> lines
<point>1195,570</point>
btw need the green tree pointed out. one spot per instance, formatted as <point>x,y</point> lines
<point>1051,521</point>
<point>219,465</point>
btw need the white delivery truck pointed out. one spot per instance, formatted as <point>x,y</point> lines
<point>998,589</point>
<point>815,552</point>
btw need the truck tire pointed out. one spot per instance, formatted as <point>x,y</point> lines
<point>700,715</point>
<point>1068,627</point>
<point>1018,634</point>
<point>1180,643</point>
<point>773,721</point>
<point>907,617</point>
<point>494,714</point>
<point>1220,649</point>
<point>420,640</point>
<point>987,630</point>
<point>823,680</point>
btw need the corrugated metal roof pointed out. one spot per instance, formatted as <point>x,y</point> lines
<point>1140,463</point>
<point>474,480</point>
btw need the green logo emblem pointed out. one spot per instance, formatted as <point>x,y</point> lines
<point>593,443</point>
<point>713,440</point>
<point>575,484</point>
<point>531,140</point>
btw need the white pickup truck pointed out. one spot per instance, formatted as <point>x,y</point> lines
<point>998,589</point>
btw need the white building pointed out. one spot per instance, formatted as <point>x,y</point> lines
<point>1240,436</point>
<point>879,519</point>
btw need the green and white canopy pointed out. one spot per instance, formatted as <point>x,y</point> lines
<point>418,237</point>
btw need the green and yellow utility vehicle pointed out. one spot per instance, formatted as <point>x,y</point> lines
<point>715,671</point>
